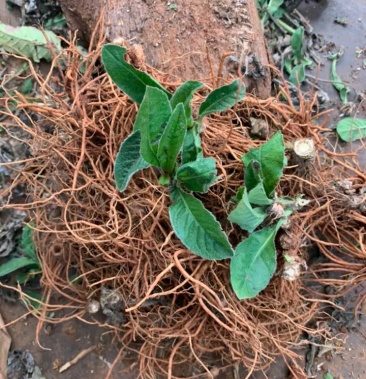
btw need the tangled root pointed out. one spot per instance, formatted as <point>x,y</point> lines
<point>177,307</point>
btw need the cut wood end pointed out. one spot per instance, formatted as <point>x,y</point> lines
<point>305,148</point>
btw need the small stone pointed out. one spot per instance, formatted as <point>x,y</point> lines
<point>93,306</point>
<point>292,268</point>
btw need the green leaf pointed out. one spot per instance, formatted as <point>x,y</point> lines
<point>24,277</point>
<point>26,86</point>
<point>274,5</point>
<point>328,375</point>
<point>297,75</point>
<point>128,160</point>
<point>253,174</point>
<point>15,264</point>
<point>287,65</point>
<point>27,244</point>
<point>351,129</point>
<point>239,195</point>
<point>336,80</point>
<point>279,14</point>
<point>271,157</point>
<point>173,6</point>
<point>184,94</point>
<point>297,43</point>
<point>34,299</point>
<point>222,98</point>
<point>258,195</point>
<point>254,263</point>
<point>198,175</point>
<point>131,81</point>
<point>29,42</point>
<point>192,146</point>
<point>151,119</point>
<point>56,22</point>
<point>165,180</point>
<point>172,139</point>
<point>247,217</point>
<point>197,228</point>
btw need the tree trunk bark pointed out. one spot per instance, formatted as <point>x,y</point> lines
<point>186,38</point>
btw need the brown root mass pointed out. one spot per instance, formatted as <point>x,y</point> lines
<point>124,241</point>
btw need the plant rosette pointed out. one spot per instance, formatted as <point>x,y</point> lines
<point>166,136</point>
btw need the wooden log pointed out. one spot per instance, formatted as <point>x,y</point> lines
<point>186,38</point>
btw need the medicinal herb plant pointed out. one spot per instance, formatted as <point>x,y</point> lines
<point>166,136</point>
<point>254,262</point>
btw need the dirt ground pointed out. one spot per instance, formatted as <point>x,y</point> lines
<point>351,37</point>
<point>351,362</point>
<point>61,343</point>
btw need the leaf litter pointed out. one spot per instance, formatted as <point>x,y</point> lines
<point>124,240</point>
<point>29,42</point>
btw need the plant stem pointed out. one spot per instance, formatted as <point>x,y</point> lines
<point>286,27</point>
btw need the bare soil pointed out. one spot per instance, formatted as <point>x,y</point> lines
<point>61,343</point>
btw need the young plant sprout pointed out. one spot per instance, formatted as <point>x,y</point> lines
<point>166,136</point>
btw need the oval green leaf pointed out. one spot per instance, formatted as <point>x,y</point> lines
<point>258,196</point>
<point>27,86</point>
<point>297,75</point>
<point>247,217</point>
<point>351,129</point>
<point>27,244</point>
<point>274,6</point>
<point>184,94</point>
<point>128,161</point>
<point>151,119</point>
<point>197,228</point>
<point>297,42</point>
<point>271,158</point>
<point>253,174</point>
<point>15,264</point>
<point>254,263</point>
<point>131,81</point>
<point>198,175</point>
<point>222,98</point>
<point>192,149</point>
<point>172,139</point>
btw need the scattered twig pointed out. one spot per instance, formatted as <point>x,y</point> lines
<point>5,341</point>
<point>75,360</point>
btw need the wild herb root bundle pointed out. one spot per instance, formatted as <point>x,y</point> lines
<point>178,307</point>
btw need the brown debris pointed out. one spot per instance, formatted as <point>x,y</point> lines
<point>5,342</point>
